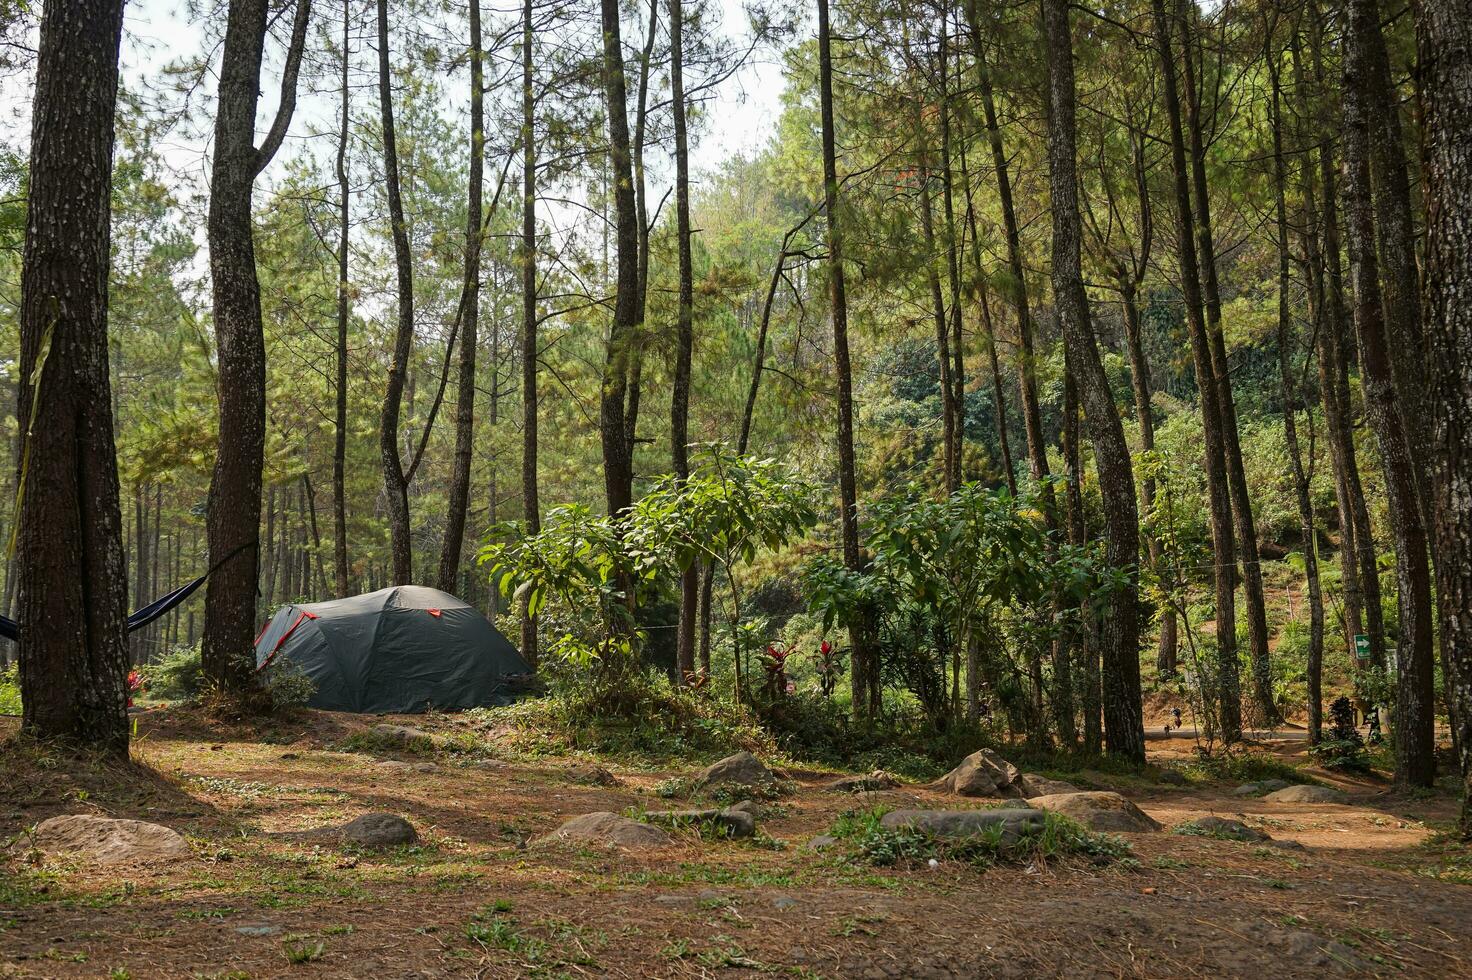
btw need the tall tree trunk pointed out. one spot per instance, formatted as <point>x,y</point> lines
<point>950,463</point>
<point>684,339</point>
<point>953,266</point>
<point>1415,707</point>
<point>344,300</point>
<point>395,483</point>
<point>1241,501</point>
<point>234,519</point>
<point>1444,46</point>
<point>1396,239</point>
<point>639,341</point>
<point>863,671</point>
<point>1227,686</point>
<point>72,585</point>
<point>1119,633</point>
<point>469,320</point>
<point>618,472</point>
<point>1315,666</point>
<point>530,504</point>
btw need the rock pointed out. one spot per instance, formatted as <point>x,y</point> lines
<point>741,769</point>
<point>822,842</point>
<point>866,783</point>
<point>783,902</point>
<point>106,841</point>
<point>1098,811</point>
<point>747,806</point>
<point>1222,827</point>
<point>734,822</point>
<point>1248,789</point>
<point>263,929</point>
<point>378,830</point>
<point>608,829</point>
<point>983,773</point>
<point>1032,785</point>
<point>402,737</point>
<point>592,776</point>
<point>1306,794</point>
<point>1173,777</point>
<point>965,823</point>
<point>1273,785</point>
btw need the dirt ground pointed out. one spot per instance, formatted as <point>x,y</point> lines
<point>1373,891</point>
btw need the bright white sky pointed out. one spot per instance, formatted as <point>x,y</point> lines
<point>744,114</point>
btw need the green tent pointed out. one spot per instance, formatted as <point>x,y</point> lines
<point>400,649</point>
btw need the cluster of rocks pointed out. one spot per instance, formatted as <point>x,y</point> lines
<point>985,773</point>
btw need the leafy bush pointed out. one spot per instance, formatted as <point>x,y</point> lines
<point>1058,837</point>
<point>176,676</point>
<point>286,685</point>
<point>10,690</point>
<point>1341,748</point>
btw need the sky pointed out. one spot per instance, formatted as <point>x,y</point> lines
<point>743,115</point>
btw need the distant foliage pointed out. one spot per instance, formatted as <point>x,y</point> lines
<point>1342,747</point>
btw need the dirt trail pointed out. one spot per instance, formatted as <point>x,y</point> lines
<point>473,899</point>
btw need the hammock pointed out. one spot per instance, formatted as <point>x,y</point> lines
<point>10,629</point>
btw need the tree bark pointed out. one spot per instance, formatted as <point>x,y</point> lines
<point>71,569</point>
<point>469,320</point>
<point>531,507</point>
<point>344,304</point>
<point>234,517</point>
<point>1415,707</point>
<point>863,671</point>
<point>1119,633</point>
<point>1444,45</point>
<point>395,482</point>
<point>1241,501</point>
<point>684,339</point>
<point>1226,686</point>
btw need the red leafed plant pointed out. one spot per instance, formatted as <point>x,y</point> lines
<point>774,661</point>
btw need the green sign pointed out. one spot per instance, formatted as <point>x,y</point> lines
<point>1362,646</point>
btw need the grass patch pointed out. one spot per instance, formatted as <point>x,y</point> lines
<point>1058,838</point>
<point>1243,767</point>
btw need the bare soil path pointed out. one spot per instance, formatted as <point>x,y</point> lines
<point>1371,892</point>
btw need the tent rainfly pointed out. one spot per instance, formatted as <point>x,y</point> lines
<point>400,649</point>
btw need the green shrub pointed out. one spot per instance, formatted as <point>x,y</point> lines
<point>1341,748</point>
<point>176,676</point>
<point>10,690</point>
<point>1058,837</point>
<point>286,685</point>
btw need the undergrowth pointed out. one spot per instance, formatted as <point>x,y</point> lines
<point>1057,838</point>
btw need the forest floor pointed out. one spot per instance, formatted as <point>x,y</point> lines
<point>1375,889</point>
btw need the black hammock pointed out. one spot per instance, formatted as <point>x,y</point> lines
<point>10,629</point>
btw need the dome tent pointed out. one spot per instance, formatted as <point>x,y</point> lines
<point>400,649</point>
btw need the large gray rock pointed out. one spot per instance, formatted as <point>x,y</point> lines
<point>404,737</point>
<point>608,830</point>
<point>733,822</point>
<point>741,769</point>
<point>965,823</point>
<point>1033,785</point>
<point>866,783</point>
<point>1259,788</point>
<point>1222,827</point>
<point>106,841</point>
<point>983,773</point>
<point>1098,811</point>
<point>1306,794</point>
<point>378,830</point>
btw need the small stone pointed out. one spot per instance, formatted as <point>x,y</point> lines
<point>965,823</point>
<point>1033,785</point>
<point>784,902</point>
<point>592,776</point>
<point>1273,785</point>
<point>404,737</point>
<point>378,830</point>
<point>287,756</point>
<point>741,769</point>
<point>735,823</point>
<point>1173,777</point>
<point>106,841</point>
<point>609,830</point>
<point>1306,794</point>
<point>822,842</point>
<point>747,806</point>
<point>1248,789</point>
<point>262,929</point>
<point>1223,827</point>
<point>1102,811</point>
<point>872,782</point>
